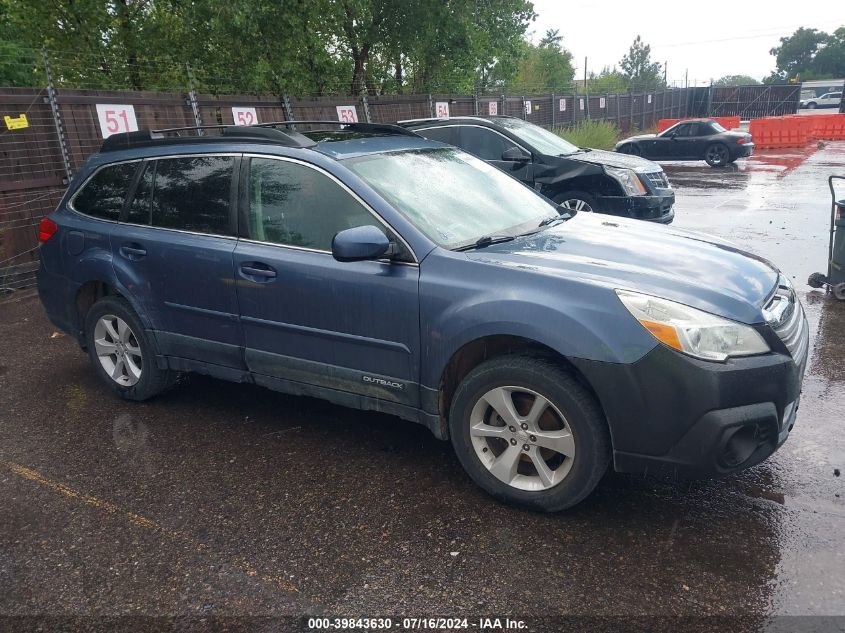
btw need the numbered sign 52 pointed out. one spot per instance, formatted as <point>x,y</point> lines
<point>442,109</point>
<point>347,114</point>
<point>492,108</point>
<point>116,118</point>
<point>244,116</point>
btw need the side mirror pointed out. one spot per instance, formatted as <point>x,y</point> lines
<point>359,244</point>
<point>516,155</point>
<point>673,135</point>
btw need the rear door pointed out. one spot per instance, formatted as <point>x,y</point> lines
<point>174,254</point>
<point>307,318</point>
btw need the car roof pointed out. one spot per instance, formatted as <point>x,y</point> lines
<point>346,141</point>
<point>489,120</point>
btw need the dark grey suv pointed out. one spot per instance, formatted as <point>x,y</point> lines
<point>579,179</point>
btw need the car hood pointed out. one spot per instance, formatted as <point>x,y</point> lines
<point>612,159</point>
<point>695,269</point>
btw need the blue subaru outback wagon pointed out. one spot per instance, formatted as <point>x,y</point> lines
<point>380,270</point>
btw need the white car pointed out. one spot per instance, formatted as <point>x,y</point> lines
<point>828,100</point>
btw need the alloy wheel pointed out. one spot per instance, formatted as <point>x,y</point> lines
<point>522,438</point>
<point>717,155</point>
<point>118,350</point>
<point>576,204</point>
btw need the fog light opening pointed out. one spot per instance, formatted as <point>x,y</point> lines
<point>740,446</point>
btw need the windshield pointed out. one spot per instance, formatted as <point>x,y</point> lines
<point>541,139</point>
<point>451,196</point>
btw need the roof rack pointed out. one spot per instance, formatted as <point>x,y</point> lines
<point>171,136</point>
<point>375,128</point>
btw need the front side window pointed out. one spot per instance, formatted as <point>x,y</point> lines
<point>193,194</point>
<point>296,205</point>
<point>484,143</point>
<point>452,197</point>
<point>105,193</point>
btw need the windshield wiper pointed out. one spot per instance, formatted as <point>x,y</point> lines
<point>563,217</point>
<point>486,240</point>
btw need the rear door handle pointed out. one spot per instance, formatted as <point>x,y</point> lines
<point>133,251</point>
<point>256,271</point>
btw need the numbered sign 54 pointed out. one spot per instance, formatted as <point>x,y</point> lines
<point>347,114</point>
<point>116,118</point>
<point>442,109</point>
<point>244,116</point>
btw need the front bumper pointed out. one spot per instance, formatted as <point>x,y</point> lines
<point>656,208</point>
<point>673,414</point>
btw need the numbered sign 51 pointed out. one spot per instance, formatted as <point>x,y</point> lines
<point>442,109</point>
<point>347,114</point>
<point>492,108</point>
<point>116,118</point>
<point>244,116</point>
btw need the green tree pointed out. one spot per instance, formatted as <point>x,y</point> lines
<point>608,80</point>
<point>639,71</point>
<point>19,65</point>
<point>809,54</point>
<point>544,68</point>
<point>736,80</point>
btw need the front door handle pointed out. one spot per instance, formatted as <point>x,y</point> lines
<point>257,271</point>
<point>133,251</point>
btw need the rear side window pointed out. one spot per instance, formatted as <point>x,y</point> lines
<point>103,196</point>
<point>140,206</point>
<point>192,194</point>
<point>443,134</point>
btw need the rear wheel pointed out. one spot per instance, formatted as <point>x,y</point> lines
<point>121,352</point>
<point>529,433</point>
<point>717,155</point>
<point>839,291</point>
<point>577,201</point>
<point>812,105</point>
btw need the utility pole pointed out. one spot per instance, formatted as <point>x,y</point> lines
<point>665,68</point>
<point>586,90</point>
<point>686,78</point>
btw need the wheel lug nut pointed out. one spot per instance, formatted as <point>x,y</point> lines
<point>512,429</point>
<point>525,447</point>
<point>533,438</point>
<point>524,426</point>
<point>513,442</point>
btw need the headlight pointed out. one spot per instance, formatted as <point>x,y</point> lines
<point>692,331</point>
<point>631,183</point>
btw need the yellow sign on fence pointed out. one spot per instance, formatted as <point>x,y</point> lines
<point>16,123</point>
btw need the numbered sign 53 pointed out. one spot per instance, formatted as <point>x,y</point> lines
<point>116,118</point>
<point>442,109</point>
<point>492,108</point>
<point>244,116</point>
<point>347,114</point>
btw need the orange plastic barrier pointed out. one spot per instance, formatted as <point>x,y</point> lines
<point>727,122</point>
<point>796,131</point>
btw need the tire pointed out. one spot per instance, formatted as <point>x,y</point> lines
<point>812,105</point>
<point>717,155</point>
<point>839,291</point>
<point>817,280</point>
<point>572,200</point>
<point>112,325</point>
<point>570,419</point>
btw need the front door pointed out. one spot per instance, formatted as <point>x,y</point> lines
<point>489,145</point>
<point>307,318</point>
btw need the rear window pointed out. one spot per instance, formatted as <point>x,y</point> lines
<point>103,196</point>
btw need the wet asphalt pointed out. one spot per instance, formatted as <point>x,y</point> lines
<point>220,500</point>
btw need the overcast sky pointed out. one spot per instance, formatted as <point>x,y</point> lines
<point>709,39</point>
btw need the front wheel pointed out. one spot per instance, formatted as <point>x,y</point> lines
<point>717,155</point>
<point>811,106</point>
<point>529,433</point>
<point>577,201</point>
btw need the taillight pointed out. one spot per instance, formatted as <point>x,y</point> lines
<point>741,140</point>
<point>46,229</point>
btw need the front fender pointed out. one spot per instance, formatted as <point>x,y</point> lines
<point>462,301</point>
